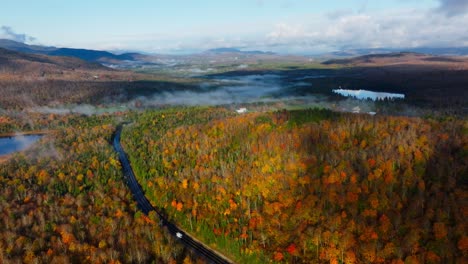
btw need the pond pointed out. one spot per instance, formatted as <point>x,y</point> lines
<point>365,94</point>
<point>16,143</point>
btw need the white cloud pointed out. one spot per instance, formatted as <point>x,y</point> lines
<point>7,32</point>
<point>343,29</point>
<point>443,25</point>
<point>348,30</point>
<point>397,29</point>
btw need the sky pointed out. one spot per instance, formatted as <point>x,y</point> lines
<point>284,26</point>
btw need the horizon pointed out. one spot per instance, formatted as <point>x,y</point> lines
<point>350,52</point>
<point>280,26</point>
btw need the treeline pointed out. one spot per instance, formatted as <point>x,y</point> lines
<point>64,201</point>
<point>21,94</point>
<point>12,122</point>
<point>309,186</point>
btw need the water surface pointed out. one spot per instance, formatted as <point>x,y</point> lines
<point>9,145</point>
<point>365,94</point>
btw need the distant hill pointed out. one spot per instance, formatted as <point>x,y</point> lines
<point>84,54</point>
<point>31,80</point>
<point>446,51</point>
<point>224,50</point>
<point>91,55</point>
<point>371,58</point>
<point>14,62</point>
<point>21,47</point>
<point>403,58</point>
<point>235,50</point>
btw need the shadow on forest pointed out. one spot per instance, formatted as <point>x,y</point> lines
<point>25,94</point>
<point>423,85</point>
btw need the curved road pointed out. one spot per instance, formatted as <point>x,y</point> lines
<point>202,250</point>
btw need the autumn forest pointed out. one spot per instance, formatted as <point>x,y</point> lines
<point>309,186</point>
<point>232,156</point>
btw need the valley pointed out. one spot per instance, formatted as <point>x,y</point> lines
<point>236,156</point>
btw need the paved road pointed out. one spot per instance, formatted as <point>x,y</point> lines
<point>145,206</point>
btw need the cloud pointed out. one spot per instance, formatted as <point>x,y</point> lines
<point>346,29</point>
<point>359,26</point>
<point>7,32</point>
<point>392,29</point>
<point>339,13</point>
<point>453,7</point>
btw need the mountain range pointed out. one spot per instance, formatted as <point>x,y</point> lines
<point>109,58</point>
<point>438,51</point>
<point>17,61</point>
<point>84,54</point>
<point>235,50</point>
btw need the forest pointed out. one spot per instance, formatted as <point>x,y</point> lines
<point>288,186</point>
<point>308,186</point>
<point>64,200</point>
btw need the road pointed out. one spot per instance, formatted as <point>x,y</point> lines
<point>145,206</point>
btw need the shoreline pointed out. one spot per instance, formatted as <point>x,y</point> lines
<point>28,133</point>
<point>6,157</point>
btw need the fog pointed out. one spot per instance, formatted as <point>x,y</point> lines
<point>267,88</point>
<point>234,90</point>
<point>237,91</point>
<point>83,109</point>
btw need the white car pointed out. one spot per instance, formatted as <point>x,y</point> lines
<point>179,235</point>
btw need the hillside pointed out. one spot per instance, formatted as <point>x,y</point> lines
<point>22,47</point>
<point>84,54</point>
<point>238,51</point>
<point>436,51</point>
<point>432,82</point>
<point>33,64</point>
<point>402,58</point>
<point>304,186</point>
<point>92,55</point>
<point>28,80</point>
<point>31,80</point>
<point>64,200</point>
<point>308,186</point>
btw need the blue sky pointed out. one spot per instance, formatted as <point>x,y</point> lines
<point>288,26</point>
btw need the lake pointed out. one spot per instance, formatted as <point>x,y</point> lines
<point>365,94</point>
<point>16,143</point>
